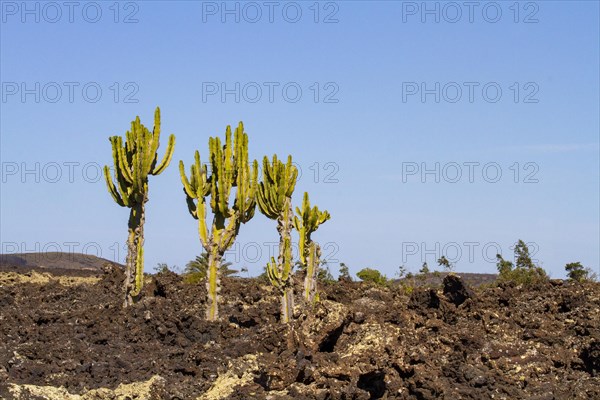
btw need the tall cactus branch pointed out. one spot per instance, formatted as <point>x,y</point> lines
<point>230,168</point>
<point>133,162</point>
<point>274,198</point>
<point>306,222</point>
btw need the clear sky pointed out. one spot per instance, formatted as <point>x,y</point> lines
<point>425,129</point>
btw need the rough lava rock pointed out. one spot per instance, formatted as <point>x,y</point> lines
<point>456,290</point>
<point>75,341</point>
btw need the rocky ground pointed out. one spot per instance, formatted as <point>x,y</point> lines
<point>69,338</point>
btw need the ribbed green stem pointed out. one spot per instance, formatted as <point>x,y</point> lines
<point>285,226</point>
<point>312,269</point>
<point>274,198</point>
<point>306,222</point>
<point>134,161</point>
<point>230,169</point>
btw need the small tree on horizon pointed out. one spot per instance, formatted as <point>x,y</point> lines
<point>324,274</point>
<point>578,273</point>
<point>522,258</point>
<point>524,272</point>
<point>372,275</point>
<point>164,267</point>
<point>445,263</point>
<point>344,273</point>
<point>504,267</point>
<point>402,271</point>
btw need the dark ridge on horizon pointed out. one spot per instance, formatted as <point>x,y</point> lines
<point>54,260</point>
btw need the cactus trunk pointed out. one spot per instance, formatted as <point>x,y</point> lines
<point>285,226</point>
<point>287,305</point>
<point>312,270</point>
<point>213,284</point>
<point>134,268</point>
<point>130,269</point>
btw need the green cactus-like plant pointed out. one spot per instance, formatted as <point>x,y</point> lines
<point>230,168</point>
<point>306,222</point>
<point>279,276</point>
<point>274,198</point>
<point>133,163</point>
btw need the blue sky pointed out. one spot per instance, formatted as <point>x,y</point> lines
<point>386,93</point>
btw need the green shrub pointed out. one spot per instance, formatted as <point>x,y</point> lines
<point>402,271</point>
<point>579,273</point>
<point>522,256</point>
<point>504,266</point>
<point>423,272</point>
<point>324,275</point>
<point>525,272</point>
<point>344,273</point>
<point>373,276</point>
<point>161,268</point>
<point>408,289</point>
<point>445,263</point>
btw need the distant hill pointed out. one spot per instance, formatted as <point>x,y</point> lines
<point>436,278</point>
<point>53,261</point>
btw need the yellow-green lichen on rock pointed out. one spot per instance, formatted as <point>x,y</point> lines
<point>151,389</point>
<point>240,372</point>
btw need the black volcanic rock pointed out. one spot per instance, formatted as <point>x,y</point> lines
<point>456,290</point>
